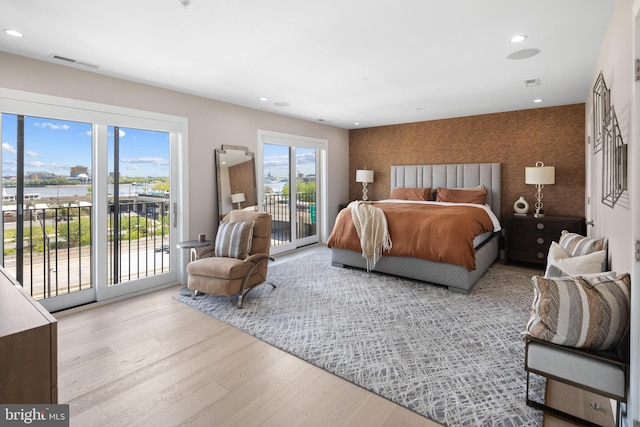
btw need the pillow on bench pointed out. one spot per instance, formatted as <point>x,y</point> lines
<point>581,311</point>
<point>576,244</point>
<point>562,263</point>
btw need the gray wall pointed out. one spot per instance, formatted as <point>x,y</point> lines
<point>211,124</point>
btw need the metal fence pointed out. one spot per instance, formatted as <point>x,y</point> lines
<point>279,206</point>
<point>56,257</point>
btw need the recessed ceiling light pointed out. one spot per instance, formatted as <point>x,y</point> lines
<point>357,123</point>
<point>524,53</point>
<point>263,99</point>
<point>13,33</point>
<point>519,38</point>
<point>537,100</point>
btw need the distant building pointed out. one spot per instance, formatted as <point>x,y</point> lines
<point>35,176</point>
<point>78,170</point>
<point>307,178</point>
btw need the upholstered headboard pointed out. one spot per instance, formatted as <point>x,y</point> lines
<point>451,176</point>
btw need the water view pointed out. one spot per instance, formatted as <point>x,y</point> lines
<point>80,190</point>
<point>48,244</point>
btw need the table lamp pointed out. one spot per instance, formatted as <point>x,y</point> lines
<point>237,198</point>
<point>364,176</point>
<point>540,175</point>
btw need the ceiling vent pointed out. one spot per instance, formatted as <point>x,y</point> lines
<point>532,82</point>
<point>73,61</point>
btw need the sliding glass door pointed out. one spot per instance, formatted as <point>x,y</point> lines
<point>46,206</point>
<point>138,196</point>
<point>89,209</point>
<point>289,173</point>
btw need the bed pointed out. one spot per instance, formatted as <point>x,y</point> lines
<point>485,249</point>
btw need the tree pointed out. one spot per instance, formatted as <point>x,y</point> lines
<point>306,188</point>
<point>161,186</point>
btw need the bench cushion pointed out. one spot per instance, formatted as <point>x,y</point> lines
<point>580,369</point>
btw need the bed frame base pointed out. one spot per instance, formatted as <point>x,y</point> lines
<point>455,277</point>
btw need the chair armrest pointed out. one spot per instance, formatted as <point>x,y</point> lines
<point>257,258</point>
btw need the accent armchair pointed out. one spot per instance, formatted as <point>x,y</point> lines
<point>240,257</point>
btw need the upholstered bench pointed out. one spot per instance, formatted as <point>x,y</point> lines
<point>605,373</point>
<point>578,332</point>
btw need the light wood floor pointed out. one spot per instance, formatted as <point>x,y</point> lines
<point>151,360</point>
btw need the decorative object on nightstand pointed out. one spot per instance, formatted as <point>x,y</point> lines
<point>540,175</point>
<point>237,198</point>
<point>521,207</point>
<point>364,176</point>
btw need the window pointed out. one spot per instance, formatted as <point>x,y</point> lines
<point>95,205</point>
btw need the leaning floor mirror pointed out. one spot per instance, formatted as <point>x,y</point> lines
<point>236,175</point>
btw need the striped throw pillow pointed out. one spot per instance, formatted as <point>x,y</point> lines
<point>234,239</point>
<point>577,244</point>
<point>581,311</point>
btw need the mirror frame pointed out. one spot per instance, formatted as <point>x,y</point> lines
<point>248,187</point>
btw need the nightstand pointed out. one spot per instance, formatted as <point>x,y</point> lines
<point>527,239</point>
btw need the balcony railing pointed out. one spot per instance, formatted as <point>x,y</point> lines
<point>138,241</point>
<point>57,241</point>
<point>279,206</point>
<point>57,246</point>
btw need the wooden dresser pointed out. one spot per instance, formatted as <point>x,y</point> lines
<point>28,347</point>
<point>527,239</point>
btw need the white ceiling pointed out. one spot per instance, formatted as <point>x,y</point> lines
<point>372,62</point>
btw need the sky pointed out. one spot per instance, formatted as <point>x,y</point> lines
<point>276,160</point>
<point>57,145</point>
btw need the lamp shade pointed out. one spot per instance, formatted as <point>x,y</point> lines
<point>540,175</point>
<point>364,175</point>
<point>237,198</point>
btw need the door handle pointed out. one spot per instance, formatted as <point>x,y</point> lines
<point>175,214</point>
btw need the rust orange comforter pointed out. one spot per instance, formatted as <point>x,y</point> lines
<point>440,233</point>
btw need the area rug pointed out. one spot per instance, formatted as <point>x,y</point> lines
<point>456,359</point>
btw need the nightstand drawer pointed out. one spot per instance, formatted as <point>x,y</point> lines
<point>528,245</point>
<point>528,239</point>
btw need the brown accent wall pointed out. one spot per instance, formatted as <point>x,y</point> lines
<point>516,139</point>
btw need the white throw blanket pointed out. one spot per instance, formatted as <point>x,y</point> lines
<point>371,226</point>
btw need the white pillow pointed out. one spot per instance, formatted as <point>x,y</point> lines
<point>561,263</point>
